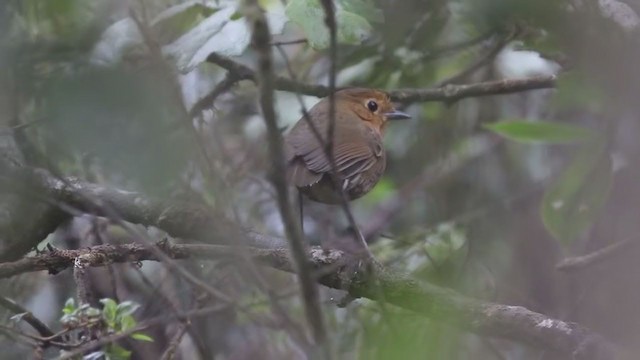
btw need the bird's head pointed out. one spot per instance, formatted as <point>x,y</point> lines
<point>374,107</point>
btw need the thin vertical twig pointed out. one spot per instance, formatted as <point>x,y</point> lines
<point>175,341</point>
<point>82,282</point>
<point>330,21</point>
<point>261,39</point>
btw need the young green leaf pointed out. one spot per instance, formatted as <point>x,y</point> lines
<point>126,323</point>
<point>142,337</point>
<point>109,311</point>
<point>69,306</point>
<point>540,132</point>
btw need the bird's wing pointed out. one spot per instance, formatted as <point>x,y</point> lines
<point>356,149</point>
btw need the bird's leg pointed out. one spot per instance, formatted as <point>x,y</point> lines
<point>301,210</point>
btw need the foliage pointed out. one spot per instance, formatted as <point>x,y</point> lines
<point>87,91</point>
<point>113,319</point>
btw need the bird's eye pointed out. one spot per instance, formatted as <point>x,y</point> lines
<point>372,106</point>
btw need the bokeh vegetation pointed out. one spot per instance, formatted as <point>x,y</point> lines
<point>485,195</point>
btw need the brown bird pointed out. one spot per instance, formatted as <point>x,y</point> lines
<point>360,121</point>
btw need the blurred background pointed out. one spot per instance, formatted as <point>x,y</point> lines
<point>485,195</point>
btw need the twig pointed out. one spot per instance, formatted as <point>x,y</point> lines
<point>410,40</point>
<point>481,61</point>
<point>576,263</point>
<point>330,22</point>
<point>18,336</point>
<point>261,37</point>
<point>80,265</point>
<point>446,93</point>
<point>289,42</point>
<point>27,316</point>
<point>175,341</point>
<point>449,49</point>
<point>452,92</point>
<point>207,101</point>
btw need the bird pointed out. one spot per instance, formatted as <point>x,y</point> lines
<point>361,116</point>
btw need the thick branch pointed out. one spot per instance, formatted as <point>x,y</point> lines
<point>447,93</point>
<point>504,321</point>
<point>185,220</point>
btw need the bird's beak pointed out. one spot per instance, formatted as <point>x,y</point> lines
<point>397,115</point>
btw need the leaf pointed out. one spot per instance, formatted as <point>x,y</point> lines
<point>127,322</point>
<point>573,201</point>
<point>69,306</point>
<point>127,308</point>
<point>178,19</point>
<point>96,355</point>
<point>109,311</point>
<point>444,243</point>
<point>117,352</point>
<point>117,40</point>
<point>309,15</point>
<point>540,132</point>
<point>142,337</point>
<point>221,33</point>
<point>363,8</point>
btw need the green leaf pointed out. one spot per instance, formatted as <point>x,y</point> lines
<point>443,245</point>
<point>69,306</point>
<point>126,323</point>
<point>109,311</point>
<point>142,337</point>
<point>540,132</point>
<point>309,15</point>
<point>117,352</point>
<point>573,201</point>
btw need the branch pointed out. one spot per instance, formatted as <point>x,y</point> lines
<point>480,61</point>
<point>27,316</point>
<point>207,101</point>
<point>485,318</point>
<point>572,264</point>
<point>261,37</point>
<point>447,93</point>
